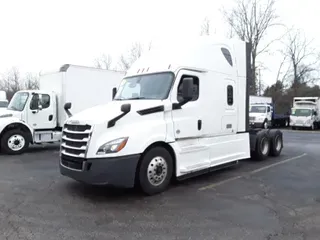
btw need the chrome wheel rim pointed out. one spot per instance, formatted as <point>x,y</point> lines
<point>157,171</point>
<point>264,146</point>
<point>265,125</point>
<point>16,142</point>
<point>278,143</point>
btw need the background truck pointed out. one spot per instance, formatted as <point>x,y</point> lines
<point>263,114</point>
<point>37,116</point>
<point>182,110</point>
<point>3,100</point>
<point>305,113</point>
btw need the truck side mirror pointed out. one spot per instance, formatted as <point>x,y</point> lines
<point>187,89</point>
<point>315,113</point>
<point>125,108</point>
<point>114,92</point>
<point>67,106</point>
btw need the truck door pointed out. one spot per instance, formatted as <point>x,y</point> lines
<point>188,124</point>
<point>41,112</point>
<point>269,113</point>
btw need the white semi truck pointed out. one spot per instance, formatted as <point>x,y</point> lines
<point>181,110</point>
<point>37,116</point>
<point>263,114</point>
<point>3,100</point>
<point>305,113</point>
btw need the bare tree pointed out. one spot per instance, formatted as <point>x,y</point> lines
<point>134,53</point>
<point>250,20</point>
<point>11,82</point>
<point>103,62</point>
<point>205,27</point>
<point>31,81</point>
<point>303,58</point>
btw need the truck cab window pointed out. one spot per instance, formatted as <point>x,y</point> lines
<point>268,109</point>
<point>195,88</point>
<point>148,86</point>
<point>45,101</point>
<point>34,104</point>
<point>230,95</point>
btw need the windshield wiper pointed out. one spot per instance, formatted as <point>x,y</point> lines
<point>135,98</point>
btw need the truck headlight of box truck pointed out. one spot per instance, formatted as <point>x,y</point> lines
<point>180,111</point>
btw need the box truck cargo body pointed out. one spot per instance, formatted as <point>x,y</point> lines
<point>37,116</point>
<point>3,100</point>
<point>305,113</point>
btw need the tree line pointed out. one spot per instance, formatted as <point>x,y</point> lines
<point>250,21</point>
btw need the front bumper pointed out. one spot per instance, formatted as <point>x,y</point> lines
<point>256,124</point>
<point>117,171</point>
<point>302,125</point>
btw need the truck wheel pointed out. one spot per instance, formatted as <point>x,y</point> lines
<point>14,142</point>
<point>262,146</point>
<point>276,143</point>
<point>155,171</point>
<point>265,124</point>
<point>312,127</point>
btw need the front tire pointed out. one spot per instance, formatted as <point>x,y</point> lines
<point>14,142</point>
<point>155,171</point>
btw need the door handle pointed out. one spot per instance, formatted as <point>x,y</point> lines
<point>199,124</point>
<point>50,117</point>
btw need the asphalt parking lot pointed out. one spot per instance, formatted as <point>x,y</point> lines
<point>275,199</point>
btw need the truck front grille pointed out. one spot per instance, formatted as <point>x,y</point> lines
<point>252,118</point>
<point>72,162</point>
<point>75,140</point>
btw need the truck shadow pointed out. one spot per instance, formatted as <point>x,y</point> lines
<point>103,194</point>
<point>38,149</point>
<point>110,195</point>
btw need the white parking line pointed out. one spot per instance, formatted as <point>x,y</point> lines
<point>210,186</point>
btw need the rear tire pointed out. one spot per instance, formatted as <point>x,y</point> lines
<point>276,142</point>
<point>155,171</point>
<point>14,142</point>
<point>262,148</point>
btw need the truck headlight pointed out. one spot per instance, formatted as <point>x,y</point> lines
<point>113,146</point>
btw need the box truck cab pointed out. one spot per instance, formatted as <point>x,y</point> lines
<point>304,113</point>
<point>37,116</point>
<point>181,110</point>
<point>260,113</point>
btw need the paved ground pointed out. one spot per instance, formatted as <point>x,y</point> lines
<point>275,199</point>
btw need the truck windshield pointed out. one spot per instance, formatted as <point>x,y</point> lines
<point>149,86</point>
<point>18,101</point>
<point>3,104</point>
<point>258,109</point>
<point>301,112</point>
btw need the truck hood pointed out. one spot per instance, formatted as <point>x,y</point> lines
<point>9,113</point>
<point>102,113</point>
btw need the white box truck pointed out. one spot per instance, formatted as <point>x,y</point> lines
<point>37,116</point>
<point>181,110</point>
<point>263,114</point>
<point>305,113</point>
<point>3,100</point>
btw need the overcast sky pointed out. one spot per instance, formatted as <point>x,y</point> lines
<point>40,35</point>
